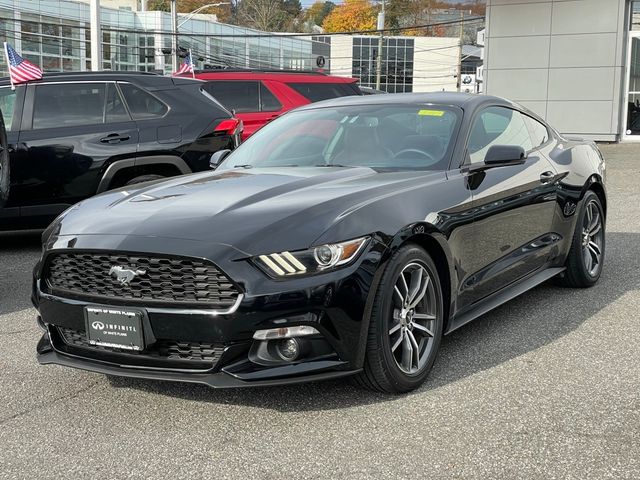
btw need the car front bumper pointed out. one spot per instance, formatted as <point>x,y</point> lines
<point>334,303</point>
<point>218,379</point>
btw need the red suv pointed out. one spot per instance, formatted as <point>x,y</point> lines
<point>258,97</point>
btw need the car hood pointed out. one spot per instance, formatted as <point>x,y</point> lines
<point>255,210</point>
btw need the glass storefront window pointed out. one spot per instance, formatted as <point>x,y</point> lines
<point>635,16</point>
<point>397,63</point>
<point>51,64</point>
<point>633,99</point>
<point>57,32</point>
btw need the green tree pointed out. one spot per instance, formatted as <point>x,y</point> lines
<point>293,8</point>
<point>317,12</point>
<point>162,5</point>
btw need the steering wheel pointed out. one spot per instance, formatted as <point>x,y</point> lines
<point>414,151</point>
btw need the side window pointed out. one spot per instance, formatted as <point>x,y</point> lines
<point>539,133</point>
<point>142,105</point>
<point>238,96</point>
<point>64,105</point>
<point>114,108</point>
<point>7,105</point>
<point>314,92</point>
<point>268,101</point>
<point>497,126</point>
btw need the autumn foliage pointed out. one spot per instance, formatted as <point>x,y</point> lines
<point>352,15</point>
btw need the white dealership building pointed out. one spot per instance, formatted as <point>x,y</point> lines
<point>574,62</point>
<point>409,64</point>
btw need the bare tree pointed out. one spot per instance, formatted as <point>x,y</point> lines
<point>266,15</point>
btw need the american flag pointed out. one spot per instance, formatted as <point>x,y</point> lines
<point>187,65</point>
<point>20,70</point>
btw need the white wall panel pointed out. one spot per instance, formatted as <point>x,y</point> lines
<point>523,84</point>
<point>579,16</point>
<point>581,83</point>
<point>535,20</point>
<point>569,71</point>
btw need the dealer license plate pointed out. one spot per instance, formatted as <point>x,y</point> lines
<point>114,327</point>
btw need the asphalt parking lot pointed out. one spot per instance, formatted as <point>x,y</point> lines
<point>546,386</point>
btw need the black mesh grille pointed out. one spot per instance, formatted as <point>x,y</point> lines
<point>163,280</point>
<point>161,350</point>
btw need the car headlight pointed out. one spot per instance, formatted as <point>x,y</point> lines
<point>314,260</point>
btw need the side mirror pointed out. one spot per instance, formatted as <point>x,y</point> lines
<point>504,155</point>
<point>218,157</point>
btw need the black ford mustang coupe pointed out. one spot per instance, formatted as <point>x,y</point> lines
<point>344,238</point>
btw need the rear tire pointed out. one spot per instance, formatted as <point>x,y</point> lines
<point>143,179</point>
<point>586,256</point>
<point>406,324</point>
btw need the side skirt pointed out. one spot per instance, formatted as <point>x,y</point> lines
<point>502,296</point>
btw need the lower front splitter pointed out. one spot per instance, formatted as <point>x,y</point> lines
<point>215,380</point>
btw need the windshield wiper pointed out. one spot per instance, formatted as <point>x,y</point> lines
<point>327,165</point>
<point>246,165</point>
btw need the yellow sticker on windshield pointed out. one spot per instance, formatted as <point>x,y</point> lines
<point>431,113</point>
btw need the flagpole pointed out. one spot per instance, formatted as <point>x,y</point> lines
<point>6,55</point>
<point>193,70</point>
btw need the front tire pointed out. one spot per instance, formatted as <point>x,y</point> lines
<point>586,256</point>
<point>406,324</point>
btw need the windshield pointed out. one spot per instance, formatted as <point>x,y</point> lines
<point>378,136</point>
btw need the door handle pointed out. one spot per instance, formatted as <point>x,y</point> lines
<point>547,177</point>
<point>114,138</point>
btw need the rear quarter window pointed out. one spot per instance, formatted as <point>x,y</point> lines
<point>142,105</point>
<point>539,132</point>
<point>315,92</point>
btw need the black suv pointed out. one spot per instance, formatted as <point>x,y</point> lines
<point>72,135</point>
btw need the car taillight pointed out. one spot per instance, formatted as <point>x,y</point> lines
<point>230,126</point>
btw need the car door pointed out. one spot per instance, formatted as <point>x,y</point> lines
<point>159,132</point>
<point>513,204</point>
<point>71,132</point>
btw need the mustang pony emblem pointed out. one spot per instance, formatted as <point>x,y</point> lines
<point>125,275</point>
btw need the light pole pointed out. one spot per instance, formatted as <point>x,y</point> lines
<point>174,36</point>
<point>379,59</point>
<point>199,9</point>
<point>460,51</point>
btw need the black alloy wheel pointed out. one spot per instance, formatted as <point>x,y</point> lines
<point>586,257</point>
<point>406,324</point>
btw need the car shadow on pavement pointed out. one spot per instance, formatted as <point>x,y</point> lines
<point>16,249</point>
<point>535,319</point>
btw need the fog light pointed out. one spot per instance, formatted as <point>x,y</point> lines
<point>288,349</point>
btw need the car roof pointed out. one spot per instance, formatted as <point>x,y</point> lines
<point>292,76</point>
<point>144,79</point>
<point>462,100</point>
